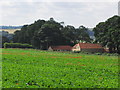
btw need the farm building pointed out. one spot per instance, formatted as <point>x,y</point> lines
<point>88,47</point>
<point>60,48</point>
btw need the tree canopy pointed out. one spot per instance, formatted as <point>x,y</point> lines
<point>108,33</point>
<point>42,34</point>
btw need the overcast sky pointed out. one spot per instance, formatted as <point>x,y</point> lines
<point>73,13</point>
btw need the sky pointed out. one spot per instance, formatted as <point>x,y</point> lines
<point>76,13</point>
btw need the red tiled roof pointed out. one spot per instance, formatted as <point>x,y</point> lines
<point>89,46</point>
<point>66,47</point>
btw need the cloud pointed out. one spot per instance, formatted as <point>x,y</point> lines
<point>73,13</point>
<point>59,0</point>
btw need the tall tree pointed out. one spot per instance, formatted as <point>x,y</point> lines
<point>48,34</point>
<point>82,34</point>
<point>108,33</point>
<point>68,33</point>
<point>42,34</point>
<point>26,33</point>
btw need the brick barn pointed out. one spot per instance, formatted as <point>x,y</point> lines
<point>60,48</point>
<point>88,47</point>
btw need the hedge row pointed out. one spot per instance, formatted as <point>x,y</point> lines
<point>17,45</point>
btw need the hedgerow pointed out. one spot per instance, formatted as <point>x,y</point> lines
<point>17,45</point>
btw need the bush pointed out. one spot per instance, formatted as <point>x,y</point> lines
<point>17,45</point>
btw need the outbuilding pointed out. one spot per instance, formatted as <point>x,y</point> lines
<point>87,47</point>
<point>60,48</point>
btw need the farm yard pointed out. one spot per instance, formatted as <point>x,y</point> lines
<point>29,68</point>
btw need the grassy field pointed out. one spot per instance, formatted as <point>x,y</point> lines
<point>43,69</point>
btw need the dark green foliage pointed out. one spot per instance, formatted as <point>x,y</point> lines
<point>48,34</point>
<point>82,34</point>
<point>27,32</point>
<point>17,45</point>
<point>108,33</point>
<point>5,37</point>
<point>4,40</point>
<point>42,34</point>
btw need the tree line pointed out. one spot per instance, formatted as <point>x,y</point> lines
<point>42,34</point>
<point>108,33</point>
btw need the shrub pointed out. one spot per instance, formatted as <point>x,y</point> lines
<point>17,45</point>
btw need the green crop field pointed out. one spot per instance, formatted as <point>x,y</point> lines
<point>27,68</point>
